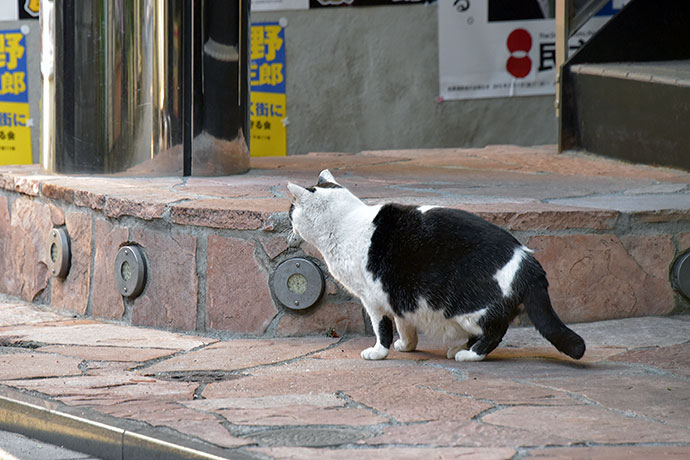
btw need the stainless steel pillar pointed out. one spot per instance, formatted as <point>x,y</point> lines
<point>147,87</point>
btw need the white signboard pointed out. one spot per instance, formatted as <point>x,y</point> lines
<point>274,5</point>
<point>500,48</point>
<point>9,10</point>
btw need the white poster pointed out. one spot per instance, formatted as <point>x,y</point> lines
<point>275,5</point>
<point>501,48</point>
<point>9,10</point>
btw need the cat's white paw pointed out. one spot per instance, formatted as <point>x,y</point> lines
<point>374,353</point>
<point>468,355</point>
<point>403,345</point>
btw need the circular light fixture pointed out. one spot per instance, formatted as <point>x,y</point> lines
<point>680,274</point>
<point>130,271</point>
<point>298,283</point>
<point>59,254</point>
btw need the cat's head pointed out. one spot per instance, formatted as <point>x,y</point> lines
<point>316,210</point>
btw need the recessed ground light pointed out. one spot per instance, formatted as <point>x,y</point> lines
<point>130,271</point>
<point>680,275</point>
<point>298,283</point>
<point>59,254</point>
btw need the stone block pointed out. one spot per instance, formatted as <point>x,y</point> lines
<point>90,333</point>
<point>609,453</point>
<point>654,397</point>
<point>34,365</point>
<point>654,254</point>
<point>6,181</point>
<point>596,277</point>
<point>26,271</point>
<point>675,358</point>
<point>57,215</point>
<point>57,192</point>
<point>4,241</point>
<point>169,299</point>
<point>274,246</point>
<point>121,388</point>
<point>128,206</point>
<point>89,199</point>
<point>180,418</point>
<point>25,313</point>
<point>294,409</point>
<point>27,185</point>
<point>343,318</point>
<point>665,215</point>
<point>683,242</point>
<point>536,215</point>
<point>239,354</point>
<point>584,423</point>
<point>238,298</point>
<point>106,299</point>
<point>72,293</point>
<point>108,353</point>
<point>236,214</point>
<point>398,453</point>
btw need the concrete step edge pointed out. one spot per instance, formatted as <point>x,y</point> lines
<point>89,437</point>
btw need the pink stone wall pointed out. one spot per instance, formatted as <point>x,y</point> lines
<point>169,299</point>
<point>596,277</point>
<point>26,271</point>
<point>5,246</point>
<point>210,261</point>
<point>72,293</point>
<point>238,298</point>
<point>106,299</point>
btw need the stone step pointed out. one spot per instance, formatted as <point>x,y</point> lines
<point>675,73</point>
<point>605,231</point>
<point>635,111</point>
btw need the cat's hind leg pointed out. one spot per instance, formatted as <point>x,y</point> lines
<point>408,335</point>
<point>383,328</point>
<point>483,344</point>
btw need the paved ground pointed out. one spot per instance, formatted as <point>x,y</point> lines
<point>17,447</point>
<point>314,398</point>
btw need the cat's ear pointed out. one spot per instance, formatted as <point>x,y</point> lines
<point>296,190</point>
<point>326,176</point>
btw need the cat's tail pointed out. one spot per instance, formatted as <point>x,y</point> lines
<point>547,322</point>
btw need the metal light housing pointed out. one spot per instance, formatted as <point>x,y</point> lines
<point>130,271</point>
<point>298,283</point>
<point>680,274</point>
<point>59,253</point>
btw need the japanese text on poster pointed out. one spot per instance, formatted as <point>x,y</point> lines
<point>15,124</point>
<point>502,48</point>
<point>268,101</point>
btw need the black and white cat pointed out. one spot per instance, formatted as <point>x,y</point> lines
<point>446,272</point>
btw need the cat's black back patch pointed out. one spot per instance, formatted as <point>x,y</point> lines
<point>447,257</point>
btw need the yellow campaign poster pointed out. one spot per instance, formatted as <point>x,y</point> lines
<point>268,102</point>
<point>15,135</point>
<point>15,122</point>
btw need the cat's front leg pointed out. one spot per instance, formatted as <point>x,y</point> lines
<point>383,327</point>
<point>408,335</point>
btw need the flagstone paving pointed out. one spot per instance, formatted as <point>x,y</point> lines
<point>315,398</point>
